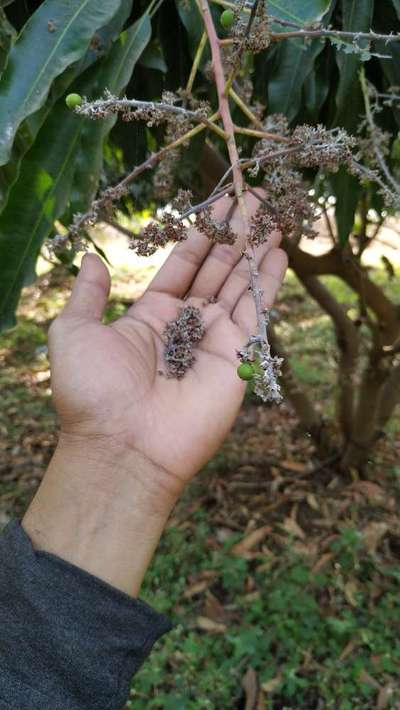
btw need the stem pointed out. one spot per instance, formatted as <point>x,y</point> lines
<point>245,109</point>
<point>114,105</point>
<point>237,176</point>
<point>239,51</point>
<point>120,188</point>
<point>196,62</point>
<point>260,134</point>
<point>324,33</point>
<point>371,124</point>
<point>209,201</point>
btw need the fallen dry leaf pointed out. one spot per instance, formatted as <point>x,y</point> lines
<point>384,697</point>
<point>374,493</point>
<point>372,534</point>
<point>366,678</point>
<point>251,687</point>
<point>323,560</point>
<point>350,590</point>
<point>295,466</point>
<point>270,685</point>
<point>251,540</point>
<point>348,649</point>
<point>312,501</point>
<point>195,588</point>
<point>213,627</point>
<point>214,610</point>
<point>293,528</point>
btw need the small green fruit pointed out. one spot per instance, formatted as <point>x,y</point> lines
<point>227,19</point>
<point>73,100</point>
<point>245,371</point>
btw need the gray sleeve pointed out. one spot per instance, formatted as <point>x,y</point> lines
<point>68,640</point>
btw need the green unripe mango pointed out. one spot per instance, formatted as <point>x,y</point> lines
<point>73,100</point>
<point>245,371</point>
<point>227,18</point>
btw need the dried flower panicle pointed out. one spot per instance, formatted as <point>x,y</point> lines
<point>262,224</point>
<point>182,335</point>
<point>217,232</point>
<point>155,236</point>
<point>258,38</point>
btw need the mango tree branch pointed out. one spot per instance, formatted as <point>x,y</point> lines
<point>136,109</point>
<point>260,341</point>
<point>371,125</point>
<point>347,338</point>
<point>117,191</point>
<point>196,62</point>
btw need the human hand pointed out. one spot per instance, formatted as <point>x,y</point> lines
<point>105,379</point>
<point>130,438</point>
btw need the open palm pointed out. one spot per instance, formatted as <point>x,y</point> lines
<point>109,382</point>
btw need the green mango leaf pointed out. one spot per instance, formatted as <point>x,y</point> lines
<point>396,4</point>
<point>294,63</point>
<point>316,88</point>
<point>347,191</point>
<point>27,132</point>
<point>57,35</point>
<point>299,11</point>
<point>118,67</point>
<point>153,57</point>
<point>357,17</point>
<point>43,188</point>
<point>7,37</point>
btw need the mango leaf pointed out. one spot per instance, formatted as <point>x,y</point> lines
<point>295,62</point>
<point>27,132</point>
<point>42,190</point>
<point>388,21</point>
<point>299,11</point>
<point>316,88</point>
<point>7,37</point>
<point>118,67</point>
<point>357,16</point>
<point>153,57</point>
<point>57,35</point>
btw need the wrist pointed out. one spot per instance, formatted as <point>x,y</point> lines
<point>102,508</point>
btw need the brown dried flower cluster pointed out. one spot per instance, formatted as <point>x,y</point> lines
<point>182,335</point>
<point>218,232</point>
<point>154,235</point>
<point>257,38</point>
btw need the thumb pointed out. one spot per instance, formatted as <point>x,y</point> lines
<point>91,289</point>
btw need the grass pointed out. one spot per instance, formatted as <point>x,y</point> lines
<point>310,636</point>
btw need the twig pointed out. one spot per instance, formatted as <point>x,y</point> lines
<point>245,109</point>
<point>340,34</point>
<point>196,62</point>
<point>260,341</point>
<point>100,107</point>
<point>371,124</point>
<point>120,188</point>
<point>239,50</point>
<point>261,134</point>
<point>209,201</point>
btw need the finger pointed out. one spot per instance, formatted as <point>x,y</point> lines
<point>178,272</point>
<point>272,272</point>
<point>91,289</point>
<point>222,258</point>
<point>238,280</point>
